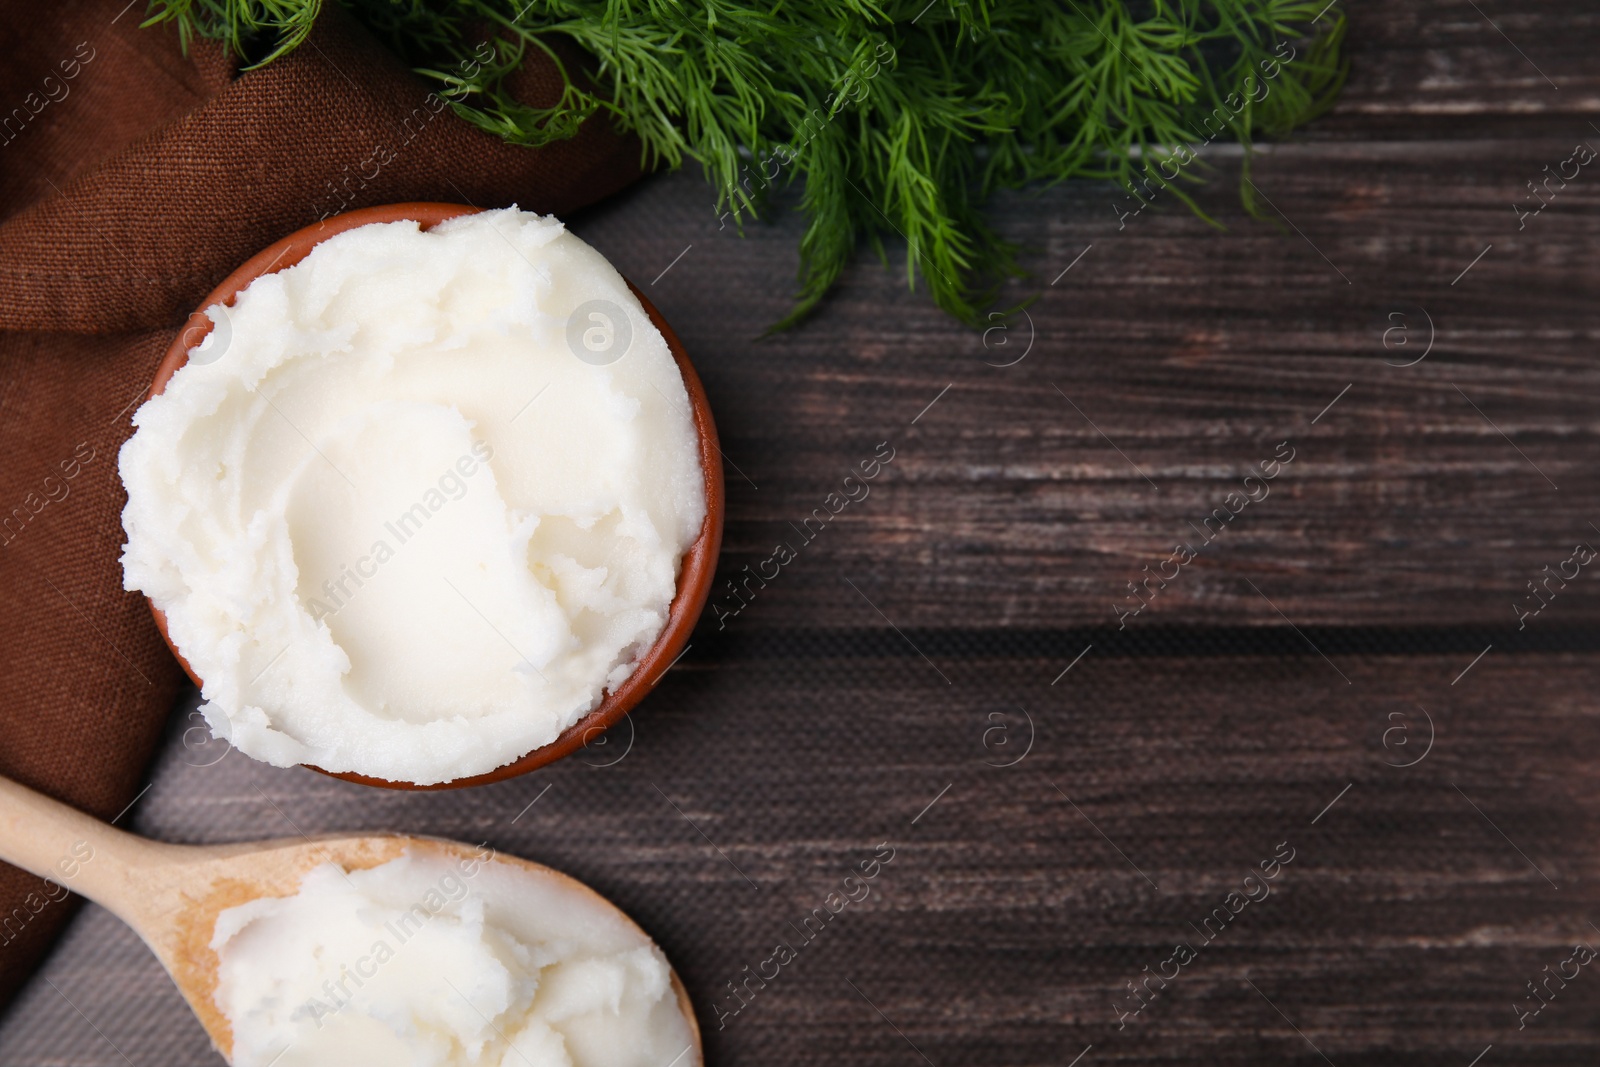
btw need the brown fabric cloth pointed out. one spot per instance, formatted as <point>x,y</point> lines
<point>132,180</point>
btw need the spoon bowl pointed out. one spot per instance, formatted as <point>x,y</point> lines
<point>171,895</point>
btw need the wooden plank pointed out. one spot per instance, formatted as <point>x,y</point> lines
<point>1168,362</point>
<point>1016,907</point>
<point>1452,62</point>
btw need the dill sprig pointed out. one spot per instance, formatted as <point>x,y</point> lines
<point>898,118</point>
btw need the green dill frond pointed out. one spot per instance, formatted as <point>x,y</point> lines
<point>898,118</point>
<point>240,24</point>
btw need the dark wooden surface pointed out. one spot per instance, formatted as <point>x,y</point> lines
<point>919,642</point>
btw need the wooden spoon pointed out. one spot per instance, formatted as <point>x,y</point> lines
<point>171,894</point>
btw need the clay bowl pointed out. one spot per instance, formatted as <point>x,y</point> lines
<point>699,562</point>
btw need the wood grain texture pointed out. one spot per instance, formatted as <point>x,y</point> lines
<point>1424,496</point>
<point>1020,899</point>
<point>875,689</point>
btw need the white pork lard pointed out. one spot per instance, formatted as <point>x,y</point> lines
<point>418,500</point>
<point>437,960</point>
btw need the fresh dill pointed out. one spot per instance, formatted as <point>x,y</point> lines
<point>897,119</point>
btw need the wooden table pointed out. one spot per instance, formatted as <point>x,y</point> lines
<point>1338,675</point>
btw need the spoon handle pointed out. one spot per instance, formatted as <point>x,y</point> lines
<point>71,849</point>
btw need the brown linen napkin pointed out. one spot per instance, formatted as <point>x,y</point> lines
<point>132,180</point>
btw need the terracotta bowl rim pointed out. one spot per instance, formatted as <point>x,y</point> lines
<point>697,567</point>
